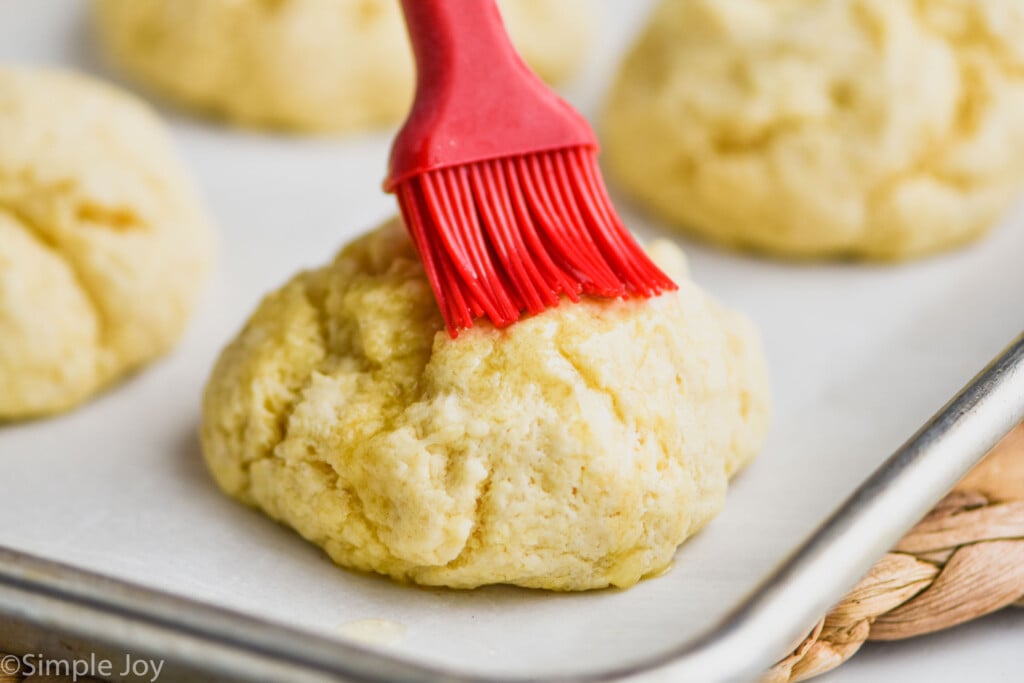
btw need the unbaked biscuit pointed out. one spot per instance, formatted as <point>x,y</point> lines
<point>306,65</point>
<point>573,450</point>
<point>103,245</point>
<point>874,128</point>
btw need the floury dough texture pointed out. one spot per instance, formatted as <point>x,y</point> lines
<point>307,65</point>
<point>874,128</point>
<point>103,245</point>
<point>574,450</point>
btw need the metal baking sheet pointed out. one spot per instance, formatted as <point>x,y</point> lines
<point>860,356</point>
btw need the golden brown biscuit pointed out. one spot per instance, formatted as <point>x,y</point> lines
<point>306,65</point>
<point>876,128</point>
<point>103,245</point>
<point>574,450</point>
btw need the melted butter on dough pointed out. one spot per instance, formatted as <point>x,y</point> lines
<point>575,450</point>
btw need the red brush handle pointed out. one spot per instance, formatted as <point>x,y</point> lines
<point>475,97</point>
<point>456,39</point>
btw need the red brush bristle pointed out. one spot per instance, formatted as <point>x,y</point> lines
<point>502,237</point>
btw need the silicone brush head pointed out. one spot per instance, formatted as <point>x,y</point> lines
<point>498,182</point>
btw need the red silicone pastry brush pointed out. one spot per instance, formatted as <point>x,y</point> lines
<point>498,182</point>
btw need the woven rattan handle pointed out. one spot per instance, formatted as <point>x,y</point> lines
<point>963,561</point>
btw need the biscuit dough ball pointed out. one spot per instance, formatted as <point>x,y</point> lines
<point>102,242</point>
<point>306,65</point>
<point>870,128</point>
<point>574,450</point>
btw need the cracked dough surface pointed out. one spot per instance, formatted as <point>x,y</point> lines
<point>307,65</point>
<point>873,128</point>
<point>102,242</point>
<point>575,450</point>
